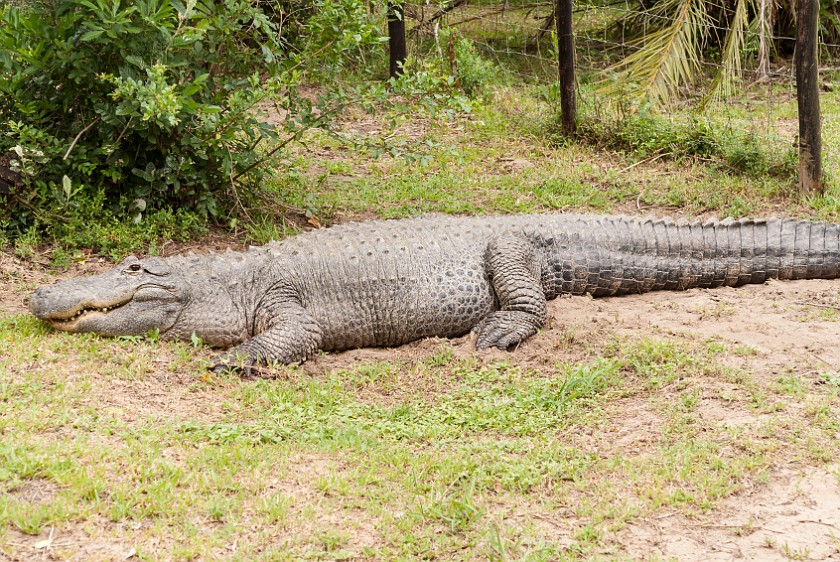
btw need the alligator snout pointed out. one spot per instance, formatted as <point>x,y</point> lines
<point>59,301</point>
<point>39,301</point>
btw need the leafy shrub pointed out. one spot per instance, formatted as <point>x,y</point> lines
<point>456,60</point>
<point>131,107</point>
<point>343,35</point>
<point>444,81</point>
<point>143,104</point>
<point>113,110</point>
<point>472,71</point>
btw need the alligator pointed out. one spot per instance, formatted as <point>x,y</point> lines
<point>386,283</point>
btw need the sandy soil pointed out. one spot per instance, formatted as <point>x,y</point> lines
<point>787,328</point>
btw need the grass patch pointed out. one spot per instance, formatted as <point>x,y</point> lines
<point>648,135</point>
<point>437,469</point>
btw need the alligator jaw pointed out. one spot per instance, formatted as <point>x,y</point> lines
<point>67,321</point>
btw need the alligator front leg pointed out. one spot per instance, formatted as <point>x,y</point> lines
<point>515,274</point>
<point>293,336</point>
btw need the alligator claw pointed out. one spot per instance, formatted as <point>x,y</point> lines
<point>504,329</point>
<point>234,363</point>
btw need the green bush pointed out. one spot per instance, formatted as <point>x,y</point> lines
<point>472,71</point>
<point>142,104</point>
<point>124,108</point>
<point>115,111</point>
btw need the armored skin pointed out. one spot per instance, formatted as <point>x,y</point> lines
<point>385,283</point>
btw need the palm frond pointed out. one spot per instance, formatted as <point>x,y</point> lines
<point>762,29</point>
<point>665,59</point>
<point>733,49</point>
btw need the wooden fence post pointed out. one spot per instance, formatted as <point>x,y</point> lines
<point>396,36</point>
<point>808,97</point>
<point>566,64</point>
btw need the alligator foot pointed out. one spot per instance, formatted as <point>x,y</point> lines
<point>231,362</point>
<point>504,329</point>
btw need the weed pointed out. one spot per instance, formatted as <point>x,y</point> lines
<point>796,554</point>
<point>820,314</point>
<point>744,350</point>
<point>275,508</point>
<point>26,243</point>
<point>790,385</point>
<point>264,229</point>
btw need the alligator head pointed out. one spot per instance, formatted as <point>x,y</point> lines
<point>135,297</point>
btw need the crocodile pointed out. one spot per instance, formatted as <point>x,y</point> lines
<point>388,282</point>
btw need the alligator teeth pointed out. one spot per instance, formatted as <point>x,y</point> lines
<point>86,310</point>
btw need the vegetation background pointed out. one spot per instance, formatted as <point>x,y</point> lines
<point>159,119</point>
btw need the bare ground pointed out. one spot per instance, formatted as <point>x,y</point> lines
<point>783,328</point>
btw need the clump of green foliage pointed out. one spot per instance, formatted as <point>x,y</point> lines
<point>139,104</point>
<point>471,71</point>
<point>113,109</point>
<point>112,112</point>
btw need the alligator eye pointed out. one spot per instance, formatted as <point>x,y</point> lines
<point>134,267</point>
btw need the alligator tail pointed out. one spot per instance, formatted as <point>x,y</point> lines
<point>619,255</point>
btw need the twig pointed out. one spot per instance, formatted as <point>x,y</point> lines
<point>122,133</point>
<point>440,13</point>
<point>236,196</point>
<point>549,21</point>
<point>815,305</point>
<point>818,523</point>
<point>549,520</point>
<point>648,160</point>
<point>665,515</point>
<point>82,132</point>
<point>37,213</point>
<point>120,136</point>
<point>268,155</point>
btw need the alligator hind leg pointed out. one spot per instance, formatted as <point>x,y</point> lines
<point>515,274</point>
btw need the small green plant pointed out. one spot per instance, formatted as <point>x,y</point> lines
<point>195,340</point>
<point>25,244</point>
<point>472,72</point>
<point>275,507</point>
<point>218,507</point>
<point>153,336</point>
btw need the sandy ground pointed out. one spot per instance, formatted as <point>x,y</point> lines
<point>789,328</point>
